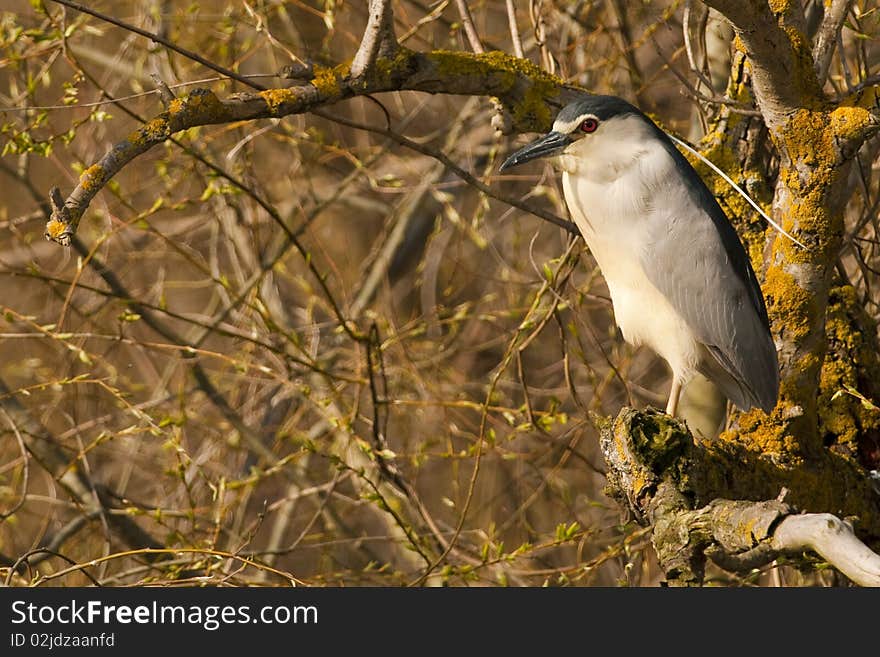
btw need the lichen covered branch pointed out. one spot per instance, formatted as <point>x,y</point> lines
<point>530,94</point>
<point>816,141</point>
<point>773,36</point>
<point>668,481</point>
<point>201,107</point>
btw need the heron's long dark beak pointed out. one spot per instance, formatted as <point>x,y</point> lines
<point>550,144</point>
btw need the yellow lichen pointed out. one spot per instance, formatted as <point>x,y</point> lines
<point>779,7</point>
<point>851,364</point>
<point>176,106</point>
<point>275,99</point>
<point>156,130</point>
<point>793,307</point>
<point>756,434</point>
<point>806,138</point>
<point>55,229</point>
<point>387,68</point>
<point>503,73</point>
<point>810,180</point>
<point>92,177</point>
<point>850,122</point>
<point>327,80</point>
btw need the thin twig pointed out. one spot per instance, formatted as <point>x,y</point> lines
<point>536,11</point>
<point>25,467</point>
<point>452,166</point>
<point>158,38</point>
<point>514,30</point>
<point>470,31</point>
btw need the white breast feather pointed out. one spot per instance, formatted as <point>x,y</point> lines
<point>612,193</point>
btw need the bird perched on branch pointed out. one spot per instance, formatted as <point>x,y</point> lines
<point>680,281</point>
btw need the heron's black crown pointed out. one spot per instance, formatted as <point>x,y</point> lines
<point>602,107</point>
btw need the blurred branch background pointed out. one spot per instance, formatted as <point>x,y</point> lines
<point>414,398</point>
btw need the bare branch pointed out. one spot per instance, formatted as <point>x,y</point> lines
<point>695,26</point>
<point>536,8</point>
<point>25,469</point>
<point>783,77</point>
<point>468,22</point>
<point>514,30</point>
<point>165,93</point>
<point>158,38</point>
<point>826,39</point>
<point>458,171</point>
<point>46,450</point>
<point>378,38</point>
<point>832,539</point>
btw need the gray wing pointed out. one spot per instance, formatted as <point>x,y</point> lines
<point>696,260</point>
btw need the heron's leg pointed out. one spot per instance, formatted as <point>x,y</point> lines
<point>674,394</point>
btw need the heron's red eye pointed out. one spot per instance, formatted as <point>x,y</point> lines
<point>589,125</point>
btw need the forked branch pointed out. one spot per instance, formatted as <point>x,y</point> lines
<point>656,469</point>
<point>378,40</point>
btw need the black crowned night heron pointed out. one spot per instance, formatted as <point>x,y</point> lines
<point>679,278</point>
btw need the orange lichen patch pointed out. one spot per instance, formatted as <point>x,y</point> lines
<point>831,483</point>
<point>806,138</point>
<point>812,139</point>
<point>92,177</point>
<point>176,106</point>
<point>779,7</point>
<point>275,99</point>
<point>197,108</point>
<point>327,80</point>
<point>154,131</point>
<point>851,122</point>
<point>55,229</point>
<point>792,307</point>
<point>851,366</point>
<point>839,415</point>
<point>756,434</point>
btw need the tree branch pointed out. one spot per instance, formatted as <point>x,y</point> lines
<point>158,38</point>
<point>826,39</point>
<point>65,469</point>
<point>470,31</point>
<point>833,540</point>
<point>783,76</point>
<point>531,94</point>
<point>378,40</point>
<point>514,30</point>
<point>458,171</point>
<point>658,471</point>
